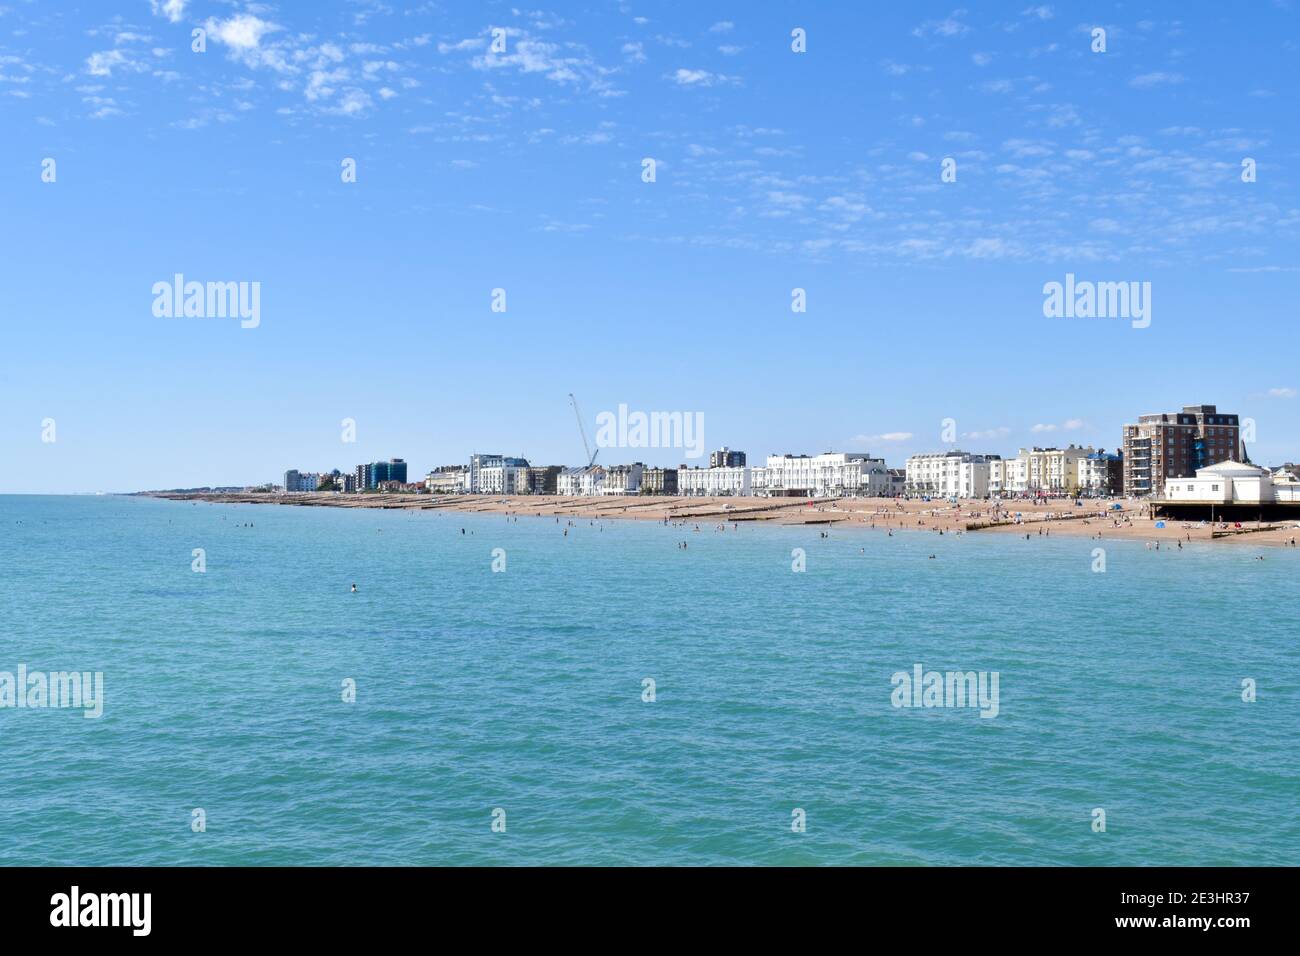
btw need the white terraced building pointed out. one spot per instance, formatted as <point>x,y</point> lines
<point>1007,476</point>
<point>720,480</point>
<point>497,475</point>
<point>952,474</point>
<point>450,481</point>
<point>829,475</point>
<point>580,481</point>
<point>623,479</point>
<point>1100,474</point>
<point>1054,471</point>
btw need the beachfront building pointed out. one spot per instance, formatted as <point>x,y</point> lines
<point>1053,471</point>
<point>1016,475</point>
<point>580,481</point>
<point>623,479</point>
<point>393,486</point>
<point>659,481</point>
<point>543,479</point>
<point>724,457</point>
<point>369,476</point>
<point>829,475</point>
<point>295,480</point>
<point>447,480</point>
<point>1233,488</point>
<point>951,474</point>
<point>1177,445</point>
<point>1228,482</point>
<point>496,475</point>
<point>1101,475</point>
<point>722,480</point>
<point>1001,477</point>
<point>1286,487</point>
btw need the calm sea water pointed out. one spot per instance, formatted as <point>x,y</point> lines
<point>523,691</point>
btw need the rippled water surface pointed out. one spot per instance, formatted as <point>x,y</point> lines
<point>523,691</point>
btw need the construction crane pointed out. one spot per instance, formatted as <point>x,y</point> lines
<point>591,457</point>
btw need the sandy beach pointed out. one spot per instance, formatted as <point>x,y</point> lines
<point>1095,518</point>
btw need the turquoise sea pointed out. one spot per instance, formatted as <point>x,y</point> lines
<point>523,691</point>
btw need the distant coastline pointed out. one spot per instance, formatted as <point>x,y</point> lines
<point>1097,519</point>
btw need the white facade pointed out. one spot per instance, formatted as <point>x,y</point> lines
<point>1286,487</point>
<point>623,479</point>
<point>446,482</point>
<point>734,480</point>
<point>953,474</point>
<point>496,475</point>
<point>829,475</point>
<point>1233,483</point>
<point>580,481</point>
<point>1054,470</point>
<point>1016,475</point>
<point>301,480</point>
<point>1094,475</point>
<point>1046,470</point>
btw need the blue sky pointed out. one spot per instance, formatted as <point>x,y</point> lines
<point>522,170</point>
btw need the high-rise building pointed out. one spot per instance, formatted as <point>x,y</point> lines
<point>1176,445</point>
<point>392,470</point>
<point>724,457</point>
<point>295,480</point>
<point>370,475</point>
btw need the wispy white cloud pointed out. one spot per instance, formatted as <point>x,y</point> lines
<point>988,433</point>
<point>105,62</point>
<point>684,77</point>
<point>1147,80</point>
<point>949,26</point>
<point>241,32</point>
<point>173,10</point>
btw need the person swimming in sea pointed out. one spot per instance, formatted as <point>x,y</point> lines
<point>354,587</point>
